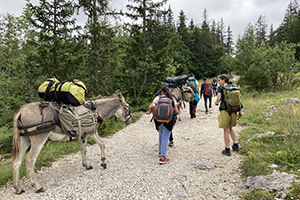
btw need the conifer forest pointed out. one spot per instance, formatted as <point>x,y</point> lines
<point>136,57</point>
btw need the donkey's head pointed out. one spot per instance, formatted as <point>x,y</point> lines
<point>123,112</point>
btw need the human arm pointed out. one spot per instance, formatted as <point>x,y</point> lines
<point>199,91</point>
<point>175,109</point>
<point>150,108</point>
<point>219,95</point>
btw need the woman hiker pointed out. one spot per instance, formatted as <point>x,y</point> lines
<point>226,121</point>
<point>164,128</point>
<point>193,83</point>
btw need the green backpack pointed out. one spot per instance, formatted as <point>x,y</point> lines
<point>232,98</point>
<point>192,83</point>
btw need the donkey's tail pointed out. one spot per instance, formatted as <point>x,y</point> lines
<point>16,137</point>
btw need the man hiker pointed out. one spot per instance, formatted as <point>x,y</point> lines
<point>206,91</point>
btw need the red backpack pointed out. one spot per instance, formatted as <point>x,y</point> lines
<point>207,89</point>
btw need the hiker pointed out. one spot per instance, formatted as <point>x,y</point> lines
<point>164,128</point>
<point>193,83</point>
<point>226,120</point>
<point>206,91</point>
<point>214,84</point>
<point>171,139</point>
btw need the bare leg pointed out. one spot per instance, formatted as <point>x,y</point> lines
<point>24,144</point>
<point>97,139</point>
<point>226,136</point>
<point>83,153</point>
<point>232,134</point>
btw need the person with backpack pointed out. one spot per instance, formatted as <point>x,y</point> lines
<point>164,108</point>
<point>193,83</point>
<point>171,138</point>
<point>206,91</point>
<point>214,84</point>
<point>228,114</point>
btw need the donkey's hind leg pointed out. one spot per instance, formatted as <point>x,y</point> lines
<point>97,139</point>
<point>24,144</point>
<point>37,143</point>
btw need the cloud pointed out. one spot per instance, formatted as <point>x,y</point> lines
<point>236,13</point>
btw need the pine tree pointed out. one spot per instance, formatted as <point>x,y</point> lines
<point>147,47</point>
<point>55,24</point>
<point>102,50</point>
<point>229,41</point>
<point>261,30</point>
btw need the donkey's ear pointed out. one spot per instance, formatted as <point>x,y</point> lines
<point>120,96</point>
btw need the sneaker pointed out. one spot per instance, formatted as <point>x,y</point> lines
<point>159,153</point>
<point>209,107</point>
<point>235,147</point>
<point>226,152</point>
<point>171,144</point>
<point>163,160</point>
<point>206,112</point>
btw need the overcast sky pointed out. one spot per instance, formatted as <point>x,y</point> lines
<point>236,13</point>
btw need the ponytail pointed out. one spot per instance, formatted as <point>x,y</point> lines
<point>224,77</point>
<point>166,90</point>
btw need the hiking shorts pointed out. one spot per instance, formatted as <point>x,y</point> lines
<point>226,121</point>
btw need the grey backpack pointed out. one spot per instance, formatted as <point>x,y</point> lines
<point>163,111</point>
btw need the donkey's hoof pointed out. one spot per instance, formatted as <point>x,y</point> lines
<point>20,192</point>
<point>103,165</point>
<point>89,167</point>
<point>40,190</point>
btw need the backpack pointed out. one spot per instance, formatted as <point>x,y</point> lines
<point>187,93</point>
<point>78,120</point>
<point>66,92</point>
<point>177,81</point>
<point>192,83</point>
<point>214,83</point>
<point>232,98</point>
<point>207,89</point>
<point>163,111</point>
<point>71,92</point>
<point>47,88</point>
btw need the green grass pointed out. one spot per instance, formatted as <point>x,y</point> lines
<point>282,148</point>
<point>52,151</point>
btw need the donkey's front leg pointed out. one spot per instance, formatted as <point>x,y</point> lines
<point>83,153</point>
<point>97,139</point>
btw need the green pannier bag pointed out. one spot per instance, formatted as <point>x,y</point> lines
<point>187,93</point>
<point>78,120</point>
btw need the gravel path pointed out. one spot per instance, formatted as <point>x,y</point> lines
<point>133,171</point>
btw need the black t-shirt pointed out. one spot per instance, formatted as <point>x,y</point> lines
<point>220,90</point>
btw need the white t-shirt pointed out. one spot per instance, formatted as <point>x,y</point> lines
<point>157,97</point>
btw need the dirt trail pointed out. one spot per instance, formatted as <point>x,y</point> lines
<point>133,171</point>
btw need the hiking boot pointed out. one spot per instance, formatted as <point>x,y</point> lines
<point>171,144</point>
<point>226,152</point>
<point>235,147</point>
<point>163,160</point>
